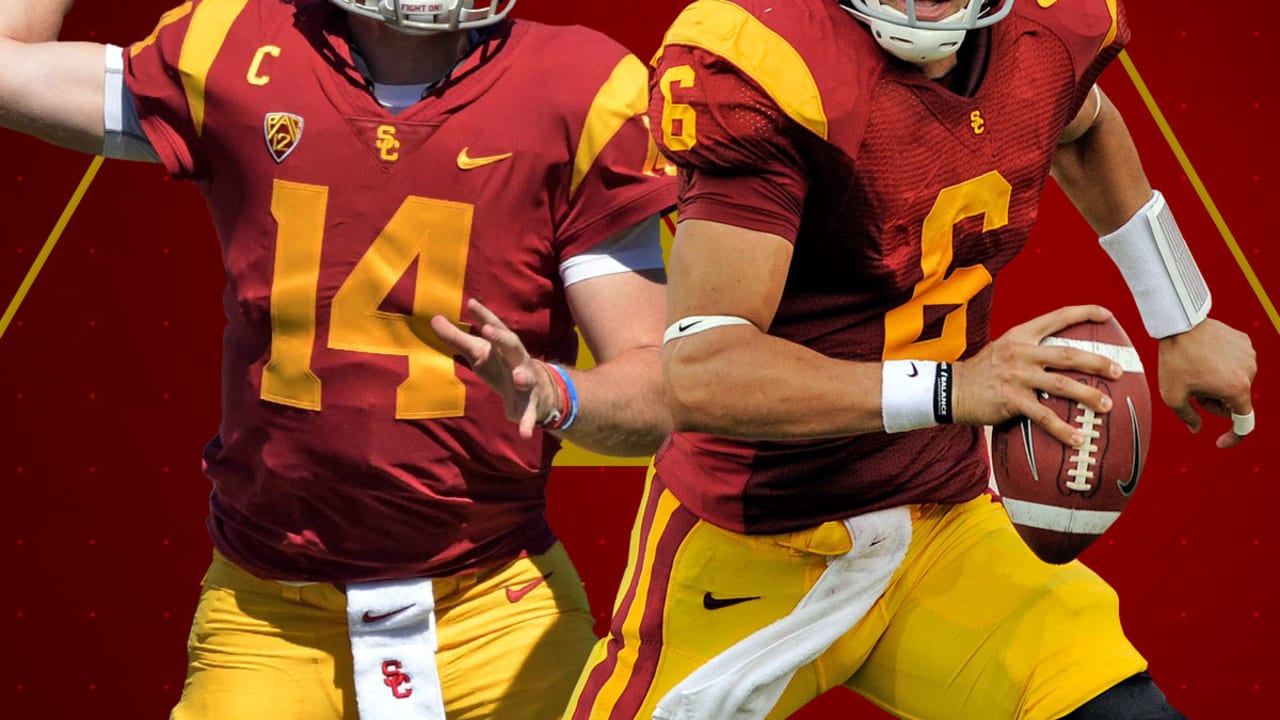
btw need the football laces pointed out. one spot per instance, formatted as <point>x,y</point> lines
<point>1081,473</point>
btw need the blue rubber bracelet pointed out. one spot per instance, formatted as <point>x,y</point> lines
<point>571,412</point>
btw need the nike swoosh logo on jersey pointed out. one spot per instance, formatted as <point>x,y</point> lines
<point>682,328</point>
<point>914,371</point>
<point>466,162</point>
<point>371,618</point>
<point>515,595</point>
<point>711,602</point>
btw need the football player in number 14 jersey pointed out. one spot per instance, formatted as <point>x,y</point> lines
<point>854,175</point>
<point>393,185</point>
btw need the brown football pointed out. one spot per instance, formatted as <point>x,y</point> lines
<point>1060,498</point>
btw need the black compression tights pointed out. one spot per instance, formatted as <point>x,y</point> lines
<point>1136,698</point>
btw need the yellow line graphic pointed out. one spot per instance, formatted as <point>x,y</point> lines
<point>1200,189</point>
<point>52,240</point>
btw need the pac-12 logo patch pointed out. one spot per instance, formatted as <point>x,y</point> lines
<point>284,132</point>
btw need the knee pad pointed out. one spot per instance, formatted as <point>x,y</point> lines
<point>1135,698</point>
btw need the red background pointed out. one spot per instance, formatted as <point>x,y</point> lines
<point>108,390</point>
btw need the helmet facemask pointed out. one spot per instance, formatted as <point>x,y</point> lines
<point>906,36</point>
<point>423,17</point>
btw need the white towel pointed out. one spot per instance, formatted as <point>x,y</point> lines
<point>745,681</point>
<point>392,625</point>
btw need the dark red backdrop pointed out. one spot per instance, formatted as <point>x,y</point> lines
<point>108,391</point>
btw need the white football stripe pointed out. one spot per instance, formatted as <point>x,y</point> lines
<point>1127,357</point>
<point>1057,519</point>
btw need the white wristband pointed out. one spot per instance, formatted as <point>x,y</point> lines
<point>907,394</point>
<point>1171,293</point>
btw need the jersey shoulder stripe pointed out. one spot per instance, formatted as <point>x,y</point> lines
<point>202,39</point>
<point>169,18</point>
<point>210,23</point>
<point>1089,27</point>
<point>732,32</point>
<point>1114,11</point>
<point>622,97</point>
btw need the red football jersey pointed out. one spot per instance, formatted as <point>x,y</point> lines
<point>903,197</point>
<point>352,446</point>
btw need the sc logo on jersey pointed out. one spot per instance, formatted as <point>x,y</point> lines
<point>387,144</point>
<point>976,122</point>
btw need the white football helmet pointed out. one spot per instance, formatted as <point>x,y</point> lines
<point>918,41</point>
<point>429,16</point>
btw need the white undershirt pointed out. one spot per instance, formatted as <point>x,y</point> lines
<point>636,248</point>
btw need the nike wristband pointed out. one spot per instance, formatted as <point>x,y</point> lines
<point>694,324</point>
<point>909,396</point>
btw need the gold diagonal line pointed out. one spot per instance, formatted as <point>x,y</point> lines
<point>49,242</point>
<point>1200,189</point>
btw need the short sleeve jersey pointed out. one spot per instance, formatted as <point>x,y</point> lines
<point>903,198</point>
<point>352,446</point>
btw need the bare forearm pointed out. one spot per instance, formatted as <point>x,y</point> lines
<point>1101,173</point>
<point>621,411</point>
<point>750,385</point>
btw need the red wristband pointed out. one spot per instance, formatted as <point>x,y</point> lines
<point>558,416</point>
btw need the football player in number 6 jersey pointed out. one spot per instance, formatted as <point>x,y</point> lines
<point>853,176</point>
<point>417,204</point>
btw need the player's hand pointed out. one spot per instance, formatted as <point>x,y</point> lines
<point>1214,365</point>
<point>498,356</point>
<point>1002,381</point>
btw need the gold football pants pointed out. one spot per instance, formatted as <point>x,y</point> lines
<point>512,641</point>
<point>971,626</point>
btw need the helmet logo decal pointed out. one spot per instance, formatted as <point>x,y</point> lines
<point>283,132</point>
<point>977,123</point>
<point>387,144</point>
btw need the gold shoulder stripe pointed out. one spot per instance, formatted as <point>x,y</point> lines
<point>168,18</point>
<point>729,31</point>
<point>209,27</point>
<point>1115,26</point>
<point>623,96</point>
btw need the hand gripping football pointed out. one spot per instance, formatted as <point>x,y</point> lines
<point>1061,498</point>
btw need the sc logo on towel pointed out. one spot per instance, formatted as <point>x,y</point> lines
<point>399,681</point>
